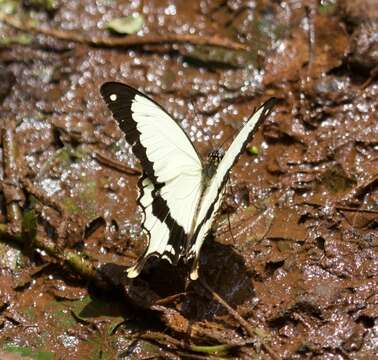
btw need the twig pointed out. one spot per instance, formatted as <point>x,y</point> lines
<point>13,195</point>
<point>373,75</point>
<point>252,331</point>
<point>168,340</point>
<point>347,208</point>
<point>310,13</point>
<point>114,164</point>
<point>170,299</point>
<point>129,41</point>
<point>75,261</point>
<point>41,196</point>
<point>339,207</point>
<point>176,322</point>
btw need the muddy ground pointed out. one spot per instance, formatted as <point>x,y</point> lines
<point>294,251</point>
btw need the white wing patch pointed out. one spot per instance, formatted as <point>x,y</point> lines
<point>175,162</point>
<point>165,142</point>
<point>182,195</point>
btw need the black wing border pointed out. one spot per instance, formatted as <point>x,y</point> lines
<point>121,110</point>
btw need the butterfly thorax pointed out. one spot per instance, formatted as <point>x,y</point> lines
<point>211,165</point>
<point>209,169</point>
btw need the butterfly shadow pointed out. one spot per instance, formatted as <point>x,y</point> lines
<point>225,273</point>
<point>221,267</point>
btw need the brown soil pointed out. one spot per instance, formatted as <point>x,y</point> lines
<point>291,271</point>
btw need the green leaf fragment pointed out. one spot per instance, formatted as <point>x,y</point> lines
<point>253,150</point>
<point>70,206</point>
<point>21,39</point>
<point>88,309</point>
<point>223,57</point>
<point>212,349</point>
<point>29,225</point>
<point>8,6</point>
<point>24,351</point>
<point>327,7</point>
<point>126,25</point>
<point>47,5</point>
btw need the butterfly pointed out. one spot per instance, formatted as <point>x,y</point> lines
<point>179,193</point>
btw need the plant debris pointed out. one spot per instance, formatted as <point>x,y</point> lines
<point>126,25</point>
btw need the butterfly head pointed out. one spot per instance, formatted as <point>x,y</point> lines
<point>213,160</point>
<point>215,156</point>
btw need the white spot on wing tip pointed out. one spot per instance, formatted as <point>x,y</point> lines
<point>113,97</point>
<point>194,274</point>
<point>132,272</point>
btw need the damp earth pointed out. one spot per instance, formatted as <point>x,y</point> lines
<point>291,268</point>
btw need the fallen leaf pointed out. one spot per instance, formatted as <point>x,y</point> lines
<point>130,24</point>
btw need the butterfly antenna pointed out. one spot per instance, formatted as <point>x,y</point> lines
<point>229,182</point>
<point>233,135</point>
<point>230,228</point>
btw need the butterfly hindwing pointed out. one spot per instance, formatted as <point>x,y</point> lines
<point>168,238</point>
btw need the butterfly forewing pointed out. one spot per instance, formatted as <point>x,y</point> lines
<point>172,186</point>
<point>212,197</point>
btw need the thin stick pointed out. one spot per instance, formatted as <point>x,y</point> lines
<point>41,196</point>
<point>170,299</point>
<point>114,164</point>
<point>250,329</point>
<point>338,207</point>
<point>230,229</point>
<point>129,41</point>
<point>170,341</point>
<point>229,181</point>
<point>13,195</point>
<point>310,13</point>
<point>347,208</point>
<point>78,262</point>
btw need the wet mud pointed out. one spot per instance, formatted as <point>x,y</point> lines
<point>291,268</point>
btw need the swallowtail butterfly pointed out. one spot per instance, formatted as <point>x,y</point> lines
<point>179,194</point>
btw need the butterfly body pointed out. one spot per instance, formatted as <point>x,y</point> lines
<point>179,194</point>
